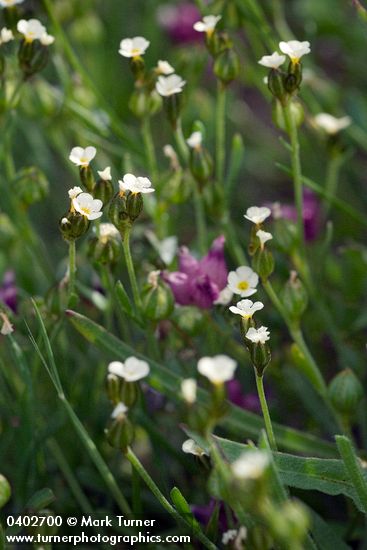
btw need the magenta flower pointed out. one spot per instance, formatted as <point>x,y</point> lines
<point>199,282</point>
<point>8,290</point>
<point>178,22</point>
<point>311,214</point>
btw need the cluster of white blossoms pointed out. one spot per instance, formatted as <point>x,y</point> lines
<point>132,370</point>
<point>6,35</point>
<point>32,29</point>
<point>135,184</point>
<point>294,49</point>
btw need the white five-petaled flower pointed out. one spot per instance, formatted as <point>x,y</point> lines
<point>191,447</point>
<point>120,410</point>
<point>250,465</point>
<point>82,157</point>
<point>246,308</point>
<point>74,192</point>
<point>273,61</point>
<point>163,67</point>
<point>263,237</point>
<point>105,174</point>
<point>258,335</point>
<point>225,296</point>
<point>133,47</point>
<point>169,85</point>
<point>6,35</point>
<point>31,29</point>
<point>295,49</point>
<point>7,327</point>
<point>256,214</point>
<point>195,140</point>
<point>47,39</point>
<point>208,23</point>
<point>86,205</point>
<point>188,390</point>
<point>331,124</point>
<point>243,281</point>
<point>217,369</point>
<point>108,231</point>
<point>10,3</point>
<point>132,370</point>
<point>135,184</point>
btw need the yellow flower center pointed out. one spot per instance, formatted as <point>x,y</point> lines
<point>135,52</point>
<point>85,210</point>
<point>243,285</point>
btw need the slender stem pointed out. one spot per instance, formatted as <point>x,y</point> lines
<point>353,468</point>
<point>180,141</point>
<point>296,169</point>
<point>137,465</point>
<point>130,268</point>
<point>265,410</point>
<point>200,219</point>
<point>149,148</point>
<point>72,269</point>
<point>220,130</point>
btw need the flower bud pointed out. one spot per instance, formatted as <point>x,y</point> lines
<point>134,205</point>
<point>104,251</point>
<point>129,393</point>
<point>293,79</point>
<point>137,66</point>
<point>73,225</point>
<point>118,212</point>
<point>158,301</point>
<point>31,185</point>
<point>120,433</point>
<point>289,522</point>
<point>294,297</point>
<point>86,177</point>
<point>144,102</point>
<point>33,57</point>
<point>260,357</point>
<point>201,164</point>
<point>227,66</point>
<point>345,391</point>
<point>276,85</point>
<point>217,42</point>
<point>263,263</point>
<point>173,106</point>
<point>103,190</point>
<point>278,114</point>
<point>285,234</point>
<point>5,491</point>
<point>113,388</point>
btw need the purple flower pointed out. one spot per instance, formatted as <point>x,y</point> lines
<point>248,401</point>
<point>199,282</point>
<point>178,22</point>
<point>8,290</point>
<point>204,513</point>
<point>311,214</point>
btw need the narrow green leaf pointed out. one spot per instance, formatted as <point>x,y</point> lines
<point>324,535</point>
<point>183,507</point>
<point>353,468</point>
<point>123,299</point>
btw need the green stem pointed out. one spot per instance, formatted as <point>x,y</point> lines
<point>220,129</point>
<point>265,411</point>
<point>181,143</point>
<point>130,268</point>
<point>137,465</point>
<point>353,468</point>
<point>149,148</point>
<point>296,169</point>
<point>72,270</point>
<point>200,219</point>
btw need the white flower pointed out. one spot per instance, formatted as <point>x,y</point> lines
<point>208,23</point>
<point>246,308</point>
<point>47,39</point>
<point>163,67</point>
<point>295,49</point>
<point>238,537</point>
<point>153,277</point>
<point>31,29</point>
<point>217,369</point>
<point>74,192</point>
<point>6,35</point>
<point>258,335</point>
<point>169,85</point>
<point>7,327</point>
<point>225,296</point>
<point>263,237</point>
<point>257,214</point>
<point>135,184</point>
<point>273,61</point>
<point>120,410</point>
<point>9,3</point>
<point>132,370</point>
<point>243,281</point>
<point>229,535</point>
<point>171,154</point>
<point>330,124</point>
<point>250,465</point>
<point>89,207</point>
<point>195,140</point>
<point>108,231</point>
<point>188,390</point>
<point>166,248</point>
<point>189,446</point>
<point>133,47</point>
<point>105,174</point>
<point>82,157</point>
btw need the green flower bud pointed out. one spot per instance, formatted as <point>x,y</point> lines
<point>118,212</point>
<point>137,66</point>
<point>129,393</point>
<point>87,178</point>
<point>201,164</point>
<point>276,85</point>
<point>260,357</point>
<point>289,522</point>
<point>120,432</point>
<point>294,297</point>
<point>227,66</point>
<point>113,388</point>
<point>5,491</point>
<point>139,103</point>
<point>293,79</point>
<point>285,234</point>
<point>134,205</point>
<point>345,391</point>
<point>278,114</point>
<point>103,190</point>
<point>33,57</point>
<point>217,42</point>
<point>105,248</point>
<point>73,225</point>
<point>173,106</point>
<point>158,300</point>
<point>263,263</point>
<point>31,185</point>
